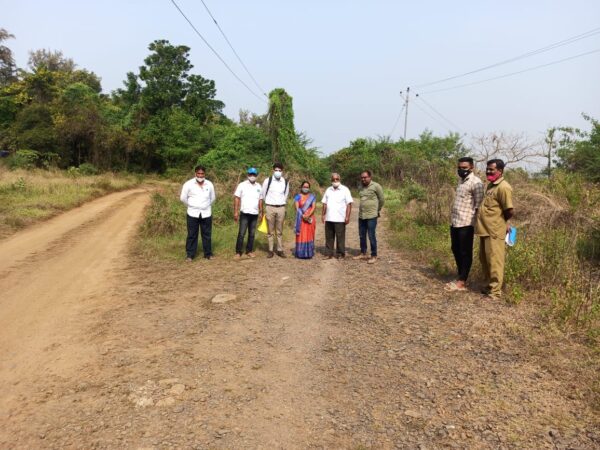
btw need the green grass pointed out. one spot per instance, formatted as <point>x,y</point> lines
<point>30,196</point>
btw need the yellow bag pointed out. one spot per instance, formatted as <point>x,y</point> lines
<point>262,227</point>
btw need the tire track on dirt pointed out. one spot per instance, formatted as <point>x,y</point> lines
<point>38,238</point>
<point>43,323</point>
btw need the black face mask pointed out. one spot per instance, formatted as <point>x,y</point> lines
<point>463,173</point>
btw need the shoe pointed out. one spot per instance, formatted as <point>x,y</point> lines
<point>360,257</point>
<point>251,255</point>
<point>372,260</point>
<point>281,254</point>
<point>328,257</point>
<point>491,297</point>
<point>270,254</point>
<point>237,256</point>
<point>341,257</point>
<point>188,259</point>
<point>485,290</point>
<point>209,257</point>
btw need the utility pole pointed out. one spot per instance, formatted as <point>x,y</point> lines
<point>550,143</point>
<point>406,111</point>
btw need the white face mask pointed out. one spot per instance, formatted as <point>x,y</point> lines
<point>251,178</point>
<point>335,184</point>
<point>277,174</point>
<point>200,179</point>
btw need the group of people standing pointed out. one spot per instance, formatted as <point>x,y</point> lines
<point>252,202</point>
<point>477,211</point>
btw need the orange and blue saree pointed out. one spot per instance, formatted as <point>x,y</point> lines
<point>306,225</point>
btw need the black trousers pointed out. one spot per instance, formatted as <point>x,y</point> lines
<point>204,225</point>
<point>247,222</point>
<point>462,248</point>
<point>335,232</point>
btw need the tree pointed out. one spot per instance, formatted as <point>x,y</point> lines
<point>580,150</point>
<point>77,120</point>
<point>165,76</point>
<point>284,140</point>
<point>512,148</point>
<point>34,129</point>
<point>52,60</point>
<point>200,99</point>
<point>7,62</point>
<point>132,92</point>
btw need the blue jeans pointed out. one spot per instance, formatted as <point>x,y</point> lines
<point>247,222</point>
<point>367,226</point>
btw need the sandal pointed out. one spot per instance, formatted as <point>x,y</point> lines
<point>452,286</point>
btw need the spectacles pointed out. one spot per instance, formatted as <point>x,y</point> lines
<point>363,178</point>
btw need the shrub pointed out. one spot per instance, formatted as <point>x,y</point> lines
<point>88,169</point>
<point>164,216</point>
<point>24,159</point>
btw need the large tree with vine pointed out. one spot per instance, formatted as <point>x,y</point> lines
<point>284,140</point>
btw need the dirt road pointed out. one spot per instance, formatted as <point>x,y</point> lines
<point>100,348</point>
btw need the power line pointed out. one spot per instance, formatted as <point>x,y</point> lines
<point>215,52</point>
<point>397,119</point>
<point>513,73</point>
<point>433,117</point>
<point>522,56</point>
<point>439,114</point>
<point>233,49</point>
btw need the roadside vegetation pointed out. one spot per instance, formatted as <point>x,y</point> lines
<point>556,262</point>
<point>29,196</point>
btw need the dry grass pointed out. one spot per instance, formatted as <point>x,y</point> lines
<point>556,262</point>
<point>30,196</point>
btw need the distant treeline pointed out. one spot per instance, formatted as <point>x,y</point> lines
<point>166,119</point>
<point>163,118</point>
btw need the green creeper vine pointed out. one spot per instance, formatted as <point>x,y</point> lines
<point>284,140</point>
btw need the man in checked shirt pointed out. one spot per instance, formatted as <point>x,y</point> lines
<point>469,195</point>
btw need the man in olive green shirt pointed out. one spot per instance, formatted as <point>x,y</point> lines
<point>491,227</point>
<point>371,202</point>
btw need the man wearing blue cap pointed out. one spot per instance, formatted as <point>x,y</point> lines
<point>246,208</point>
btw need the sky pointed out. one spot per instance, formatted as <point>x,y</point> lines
<point>345,62</point>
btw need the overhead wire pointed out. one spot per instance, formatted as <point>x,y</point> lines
<point>233,49</point>
<point>216,53</point>
<point>445,126</point>
<point>512,73</point>
<point>420,97</point>
<point>567,41</point>
<point>397,119</point>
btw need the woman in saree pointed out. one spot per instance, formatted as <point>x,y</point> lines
<point>305,222</point>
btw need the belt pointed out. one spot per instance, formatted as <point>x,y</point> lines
<point>276,206</point>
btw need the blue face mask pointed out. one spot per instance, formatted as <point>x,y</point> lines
<point>305,190</point>
<point>277,174</point>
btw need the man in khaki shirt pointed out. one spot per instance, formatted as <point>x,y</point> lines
<point>491,227</point>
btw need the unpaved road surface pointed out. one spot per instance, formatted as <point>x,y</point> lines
<point>101,348</point>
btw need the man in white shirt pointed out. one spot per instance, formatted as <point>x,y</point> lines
<point>275,191</point>
<point>246,208</point>
<point>337,206</point>
<point>198,194</point>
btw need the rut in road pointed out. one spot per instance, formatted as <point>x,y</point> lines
<point>312,354</point>
<point>50,274</point>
